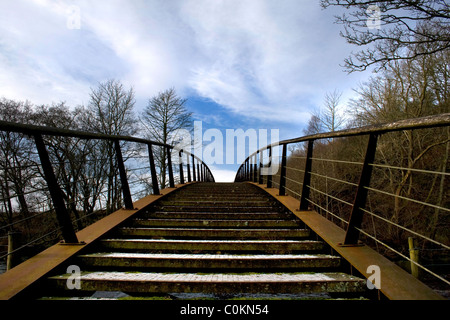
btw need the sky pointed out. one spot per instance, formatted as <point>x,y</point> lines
<point>241,64</point>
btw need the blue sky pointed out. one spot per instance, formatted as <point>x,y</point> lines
<point>241,64</point>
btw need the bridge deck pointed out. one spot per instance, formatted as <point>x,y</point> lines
<point>234,238</point>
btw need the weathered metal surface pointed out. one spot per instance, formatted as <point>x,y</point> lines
<point>356,216</point>
<point>155,184</point>
<point>307,177</point>
<point>16,280</point>
<point>180,165</point>
<point>194,177</point>
<point>440,120</point>
<point>169,165</point>
<point>300,272</point>
<point>396,284</point>
<point>123,177</point>
<point>282,188</point>
<point>62,215</point>
<point>51,131</point>
<point>269,177</point>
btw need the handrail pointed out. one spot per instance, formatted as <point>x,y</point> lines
<point>251,168</point>
<point>63,217</point>
<point>52,131</point>
<point>31,129</point>
<point>440,120</point>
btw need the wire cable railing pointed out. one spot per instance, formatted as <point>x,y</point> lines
<point>65,188</point>
<point>401,201</point>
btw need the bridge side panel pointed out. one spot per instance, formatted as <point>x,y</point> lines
<point>396,283</point>
<point>16,280</point>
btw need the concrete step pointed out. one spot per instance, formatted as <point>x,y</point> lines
<point>216,202</point>
<point>208,196</point>
<point>186,245</point>
<point>211,239</point>
<point>218,209</point>
<point>215,215</point>
<point>213,233</point>
<point>212,223</point>
<point>223,283</point>
<point>207,261</point>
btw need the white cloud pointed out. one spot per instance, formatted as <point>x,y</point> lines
<point>263,59</point>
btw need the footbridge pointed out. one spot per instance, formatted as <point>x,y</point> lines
<point>359,213</point>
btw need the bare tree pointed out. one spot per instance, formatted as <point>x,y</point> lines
<point>409,89</point>
<point>403,30</point>
<point>16,164</point>
<point>314,126</point>
<point>110,111</point>
<point>165,113</point>
<point>330,117</point>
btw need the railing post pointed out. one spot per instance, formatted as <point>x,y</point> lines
<point>169,164</point>
<point>246,170</point>
<point>260,177</point>
<point>13,243</point>
<point>198,172</point>
<point>155,184</point>
<point>194,178</point>
<point>123,177</point>
<point>180,154</point>
<point>269,176</point>
<point>307,177</point>
<point>62,215</point>
<point>188,168</point>
<point>283,172</point>
<point>255,168</point>
<point>250,169</point>
<point>238,174</point>
<point>356,216</point>
<point>414,256</point>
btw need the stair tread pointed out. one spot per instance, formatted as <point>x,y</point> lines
<point>213,241</point>
<point>125,255</point>
<point>187,241</point>
<point>217,230</point>
<point>214,220</point>
<point>224,223</point>
<point>213,277</point>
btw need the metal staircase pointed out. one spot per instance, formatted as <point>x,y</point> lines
<point>216,240</point>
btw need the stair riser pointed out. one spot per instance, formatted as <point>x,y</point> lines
<point>185,196</point>
<point>214,247</point>
<point>218,203</point>
<point>218,209</point>
<point>220,288</point>
<point>241,219</point>
<point>215,224</point>
<point>215,216</point>
<point>204,264</point>
<point>211,233</point>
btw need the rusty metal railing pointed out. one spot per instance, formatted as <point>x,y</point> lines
<point>185,168</point>
<point>341,186</point>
